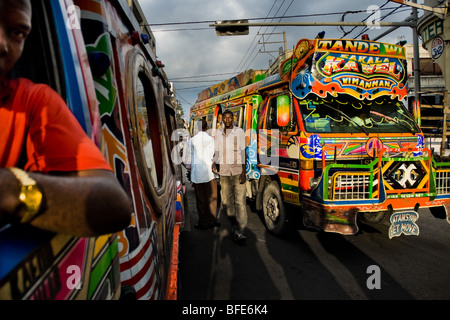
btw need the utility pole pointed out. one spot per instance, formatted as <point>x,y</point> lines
<point>263,42</point>
<point>416,57</point>
<point>441,12</point>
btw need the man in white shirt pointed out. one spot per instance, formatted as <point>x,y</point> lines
<point>201,148</point>
<point>229,148</point>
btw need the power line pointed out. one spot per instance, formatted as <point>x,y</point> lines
<point>382,18</point>
<point>267,28</point>
<point>183,29</point>
<point>273,28</point>
<point>187,79</point>
<point>205,75</point>
<point>343,16</point>
<point>366,28</point>
<point>179,96</point>
<point>197,81</point>
<point>266,18</point>
<point>190,88</point>
<point>254,38</point>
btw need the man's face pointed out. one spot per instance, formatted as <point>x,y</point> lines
<point>15,25</point>
<point>228,120</point>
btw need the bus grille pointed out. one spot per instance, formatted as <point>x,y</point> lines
<point>443,181</point>
<point>351,186</point>
<point>401,176</point>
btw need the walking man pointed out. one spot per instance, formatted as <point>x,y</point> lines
<point>201,148</point>
<point>229,148</point>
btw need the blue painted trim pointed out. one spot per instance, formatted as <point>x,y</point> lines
<point>76,96</point>
<point>17,243</point>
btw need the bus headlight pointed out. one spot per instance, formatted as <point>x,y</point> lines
<point>313,182</point>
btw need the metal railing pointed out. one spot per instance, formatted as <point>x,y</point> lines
<point>442,177</point>
<point>352,186</point>
<point>361,182</point>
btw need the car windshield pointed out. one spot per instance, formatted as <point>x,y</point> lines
<point>350,115</point>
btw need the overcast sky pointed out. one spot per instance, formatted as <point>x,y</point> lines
<point>196,58</point>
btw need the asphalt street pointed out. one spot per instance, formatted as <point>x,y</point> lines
<point>312,265</point>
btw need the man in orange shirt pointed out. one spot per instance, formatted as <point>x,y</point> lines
<point>51,174</point>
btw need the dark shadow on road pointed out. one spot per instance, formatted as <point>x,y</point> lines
<point>250,277</point>
<point>196,249</point>
<point>357,263</point>
<point>307,278</point>
<point>213,266</point>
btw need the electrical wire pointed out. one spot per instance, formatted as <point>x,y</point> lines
<point>179,96</point>
<point>245,61</point>
<point>205,75</point>
<point>273,31</point>
<point>254,38</point>
<point>366,28</point>
<point>250,19</point>
<point>343,16</point>
<point>270,34</point>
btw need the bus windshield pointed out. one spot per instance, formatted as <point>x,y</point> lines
<point>350,115</point>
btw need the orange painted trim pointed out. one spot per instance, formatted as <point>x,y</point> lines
<point>172,280</point>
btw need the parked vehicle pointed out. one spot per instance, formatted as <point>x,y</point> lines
<point>98,58</point>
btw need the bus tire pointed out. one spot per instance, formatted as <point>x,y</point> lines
<point>274,211</point>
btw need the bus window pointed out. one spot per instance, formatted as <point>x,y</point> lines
<point>350,115</point>
<point>171,127</point>
<point>191,127</point>
<point>271,118</point>
<point>209,120</point>
<point>41,59</point>
<point>218,122</point>
<point>148,129</point>
<point>238,116</point>
<point>196,126</point>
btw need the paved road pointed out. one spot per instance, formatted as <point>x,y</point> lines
<point>313,265</point>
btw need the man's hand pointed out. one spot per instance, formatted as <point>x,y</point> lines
<point>188,175</point>
<point>214,168</point>
<point>9,199</point>
<point>242,178</point>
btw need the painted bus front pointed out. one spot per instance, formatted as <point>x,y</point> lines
<point>331,134</point>
<point>98,58</point>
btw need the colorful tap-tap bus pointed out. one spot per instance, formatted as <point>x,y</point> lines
<point>331,134</point>
<point>97,56</point>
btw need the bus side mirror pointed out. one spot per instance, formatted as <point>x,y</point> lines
<point>416,112</point>
<point>283,110</point>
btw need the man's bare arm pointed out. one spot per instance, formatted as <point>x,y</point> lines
<point>84,203</point>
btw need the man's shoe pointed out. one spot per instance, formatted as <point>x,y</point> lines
<point>205,227</point>
<point>239,237</point>
<point>200,227</point>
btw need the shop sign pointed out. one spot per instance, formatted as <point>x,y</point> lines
<point>432,30</point>
<point>437,47</point>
